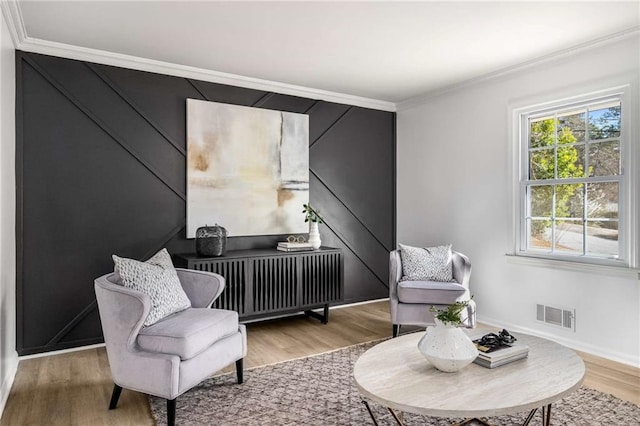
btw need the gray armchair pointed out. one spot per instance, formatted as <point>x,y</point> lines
<point>410,300</point>
<point>176,353</point>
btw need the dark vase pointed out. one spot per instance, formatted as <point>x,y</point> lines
<point>211,241</point>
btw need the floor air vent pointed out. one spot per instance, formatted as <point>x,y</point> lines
<point>560,317</point>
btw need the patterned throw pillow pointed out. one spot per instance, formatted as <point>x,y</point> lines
<point>156,278</point>
<point>426,264</point>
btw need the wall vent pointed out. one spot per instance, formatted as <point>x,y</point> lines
<point>558,316</point>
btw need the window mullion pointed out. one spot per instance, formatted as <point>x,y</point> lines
<point>585,200</point>
<point>555,145</point>
<point>526,233</point>
<point>553,220</point>
<point>587,143</point>
<point>584,219</point>
<point>568,181</point>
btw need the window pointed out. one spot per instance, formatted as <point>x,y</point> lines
<point>572,181</point>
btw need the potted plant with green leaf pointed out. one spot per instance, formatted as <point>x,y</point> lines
<point>311,215</point>
<point>449,316</point>
<point>446,346</point>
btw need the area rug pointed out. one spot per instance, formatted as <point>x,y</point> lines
<point>320,390</point>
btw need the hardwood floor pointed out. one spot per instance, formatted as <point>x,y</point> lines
<point>74,388</point>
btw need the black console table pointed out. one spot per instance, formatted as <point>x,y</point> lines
<point>266,282</point>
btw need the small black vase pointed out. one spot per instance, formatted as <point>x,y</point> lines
<point>211,241</point>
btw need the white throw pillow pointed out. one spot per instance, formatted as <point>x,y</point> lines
<point>158,279</point>
<point>427,264</point>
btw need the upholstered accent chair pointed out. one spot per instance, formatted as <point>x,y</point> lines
<point>410,300</point>
<point>176,353</point>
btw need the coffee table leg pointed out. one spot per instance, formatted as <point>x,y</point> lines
<point>471,421</point>
<point>366,404</point>
<point>397,418</point>
<point>530,416</point>
<point>546,415</point>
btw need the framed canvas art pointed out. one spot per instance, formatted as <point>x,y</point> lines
<point>247,169</point>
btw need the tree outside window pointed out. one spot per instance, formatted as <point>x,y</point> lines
<point>573,182</point>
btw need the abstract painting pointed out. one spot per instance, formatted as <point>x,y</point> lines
<point>247,169</point>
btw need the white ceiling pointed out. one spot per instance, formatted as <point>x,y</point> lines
<point>388,51</point>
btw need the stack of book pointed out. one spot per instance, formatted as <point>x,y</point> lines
<point>286,246</point>
<point>500,355</point>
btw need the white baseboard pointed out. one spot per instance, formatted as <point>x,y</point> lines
<point>7,381</point>
<point>62,351</point>
<point>366,302</point>
<point>571,343</point>
<point>291,314</point>
<point>100,345</point>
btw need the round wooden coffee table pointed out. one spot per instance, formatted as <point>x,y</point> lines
<point>396,375</point>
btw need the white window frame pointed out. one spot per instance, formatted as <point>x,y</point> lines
<point>628,208</point>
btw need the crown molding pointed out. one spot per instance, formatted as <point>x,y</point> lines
<point>13,16</point>
<point>143,64</point>
<point>561,54</point>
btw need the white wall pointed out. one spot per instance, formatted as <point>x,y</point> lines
<point>8,356</point>
<point>454,184</point>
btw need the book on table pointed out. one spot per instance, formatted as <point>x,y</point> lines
<point>497,363</point>
<point>292,249</point>
<point>288,245</point>
<point>500,355</point>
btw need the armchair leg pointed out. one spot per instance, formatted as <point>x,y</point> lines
<point>240,370</point>
<point>396,330</point>
<point>115,396</point>
<point>171,412</point>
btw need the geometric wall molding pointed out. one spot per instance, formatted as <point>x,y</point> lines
<point>100,170</point>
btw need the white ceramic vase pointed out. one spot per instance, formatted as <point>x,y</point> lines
<point>447,347</point>
<point>314,235</point>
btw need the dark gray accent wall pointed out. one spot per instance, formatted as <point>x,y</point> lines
<point>100,163</point>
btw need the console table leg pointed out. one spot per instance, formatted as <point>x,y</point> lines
<point>324,318</point>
